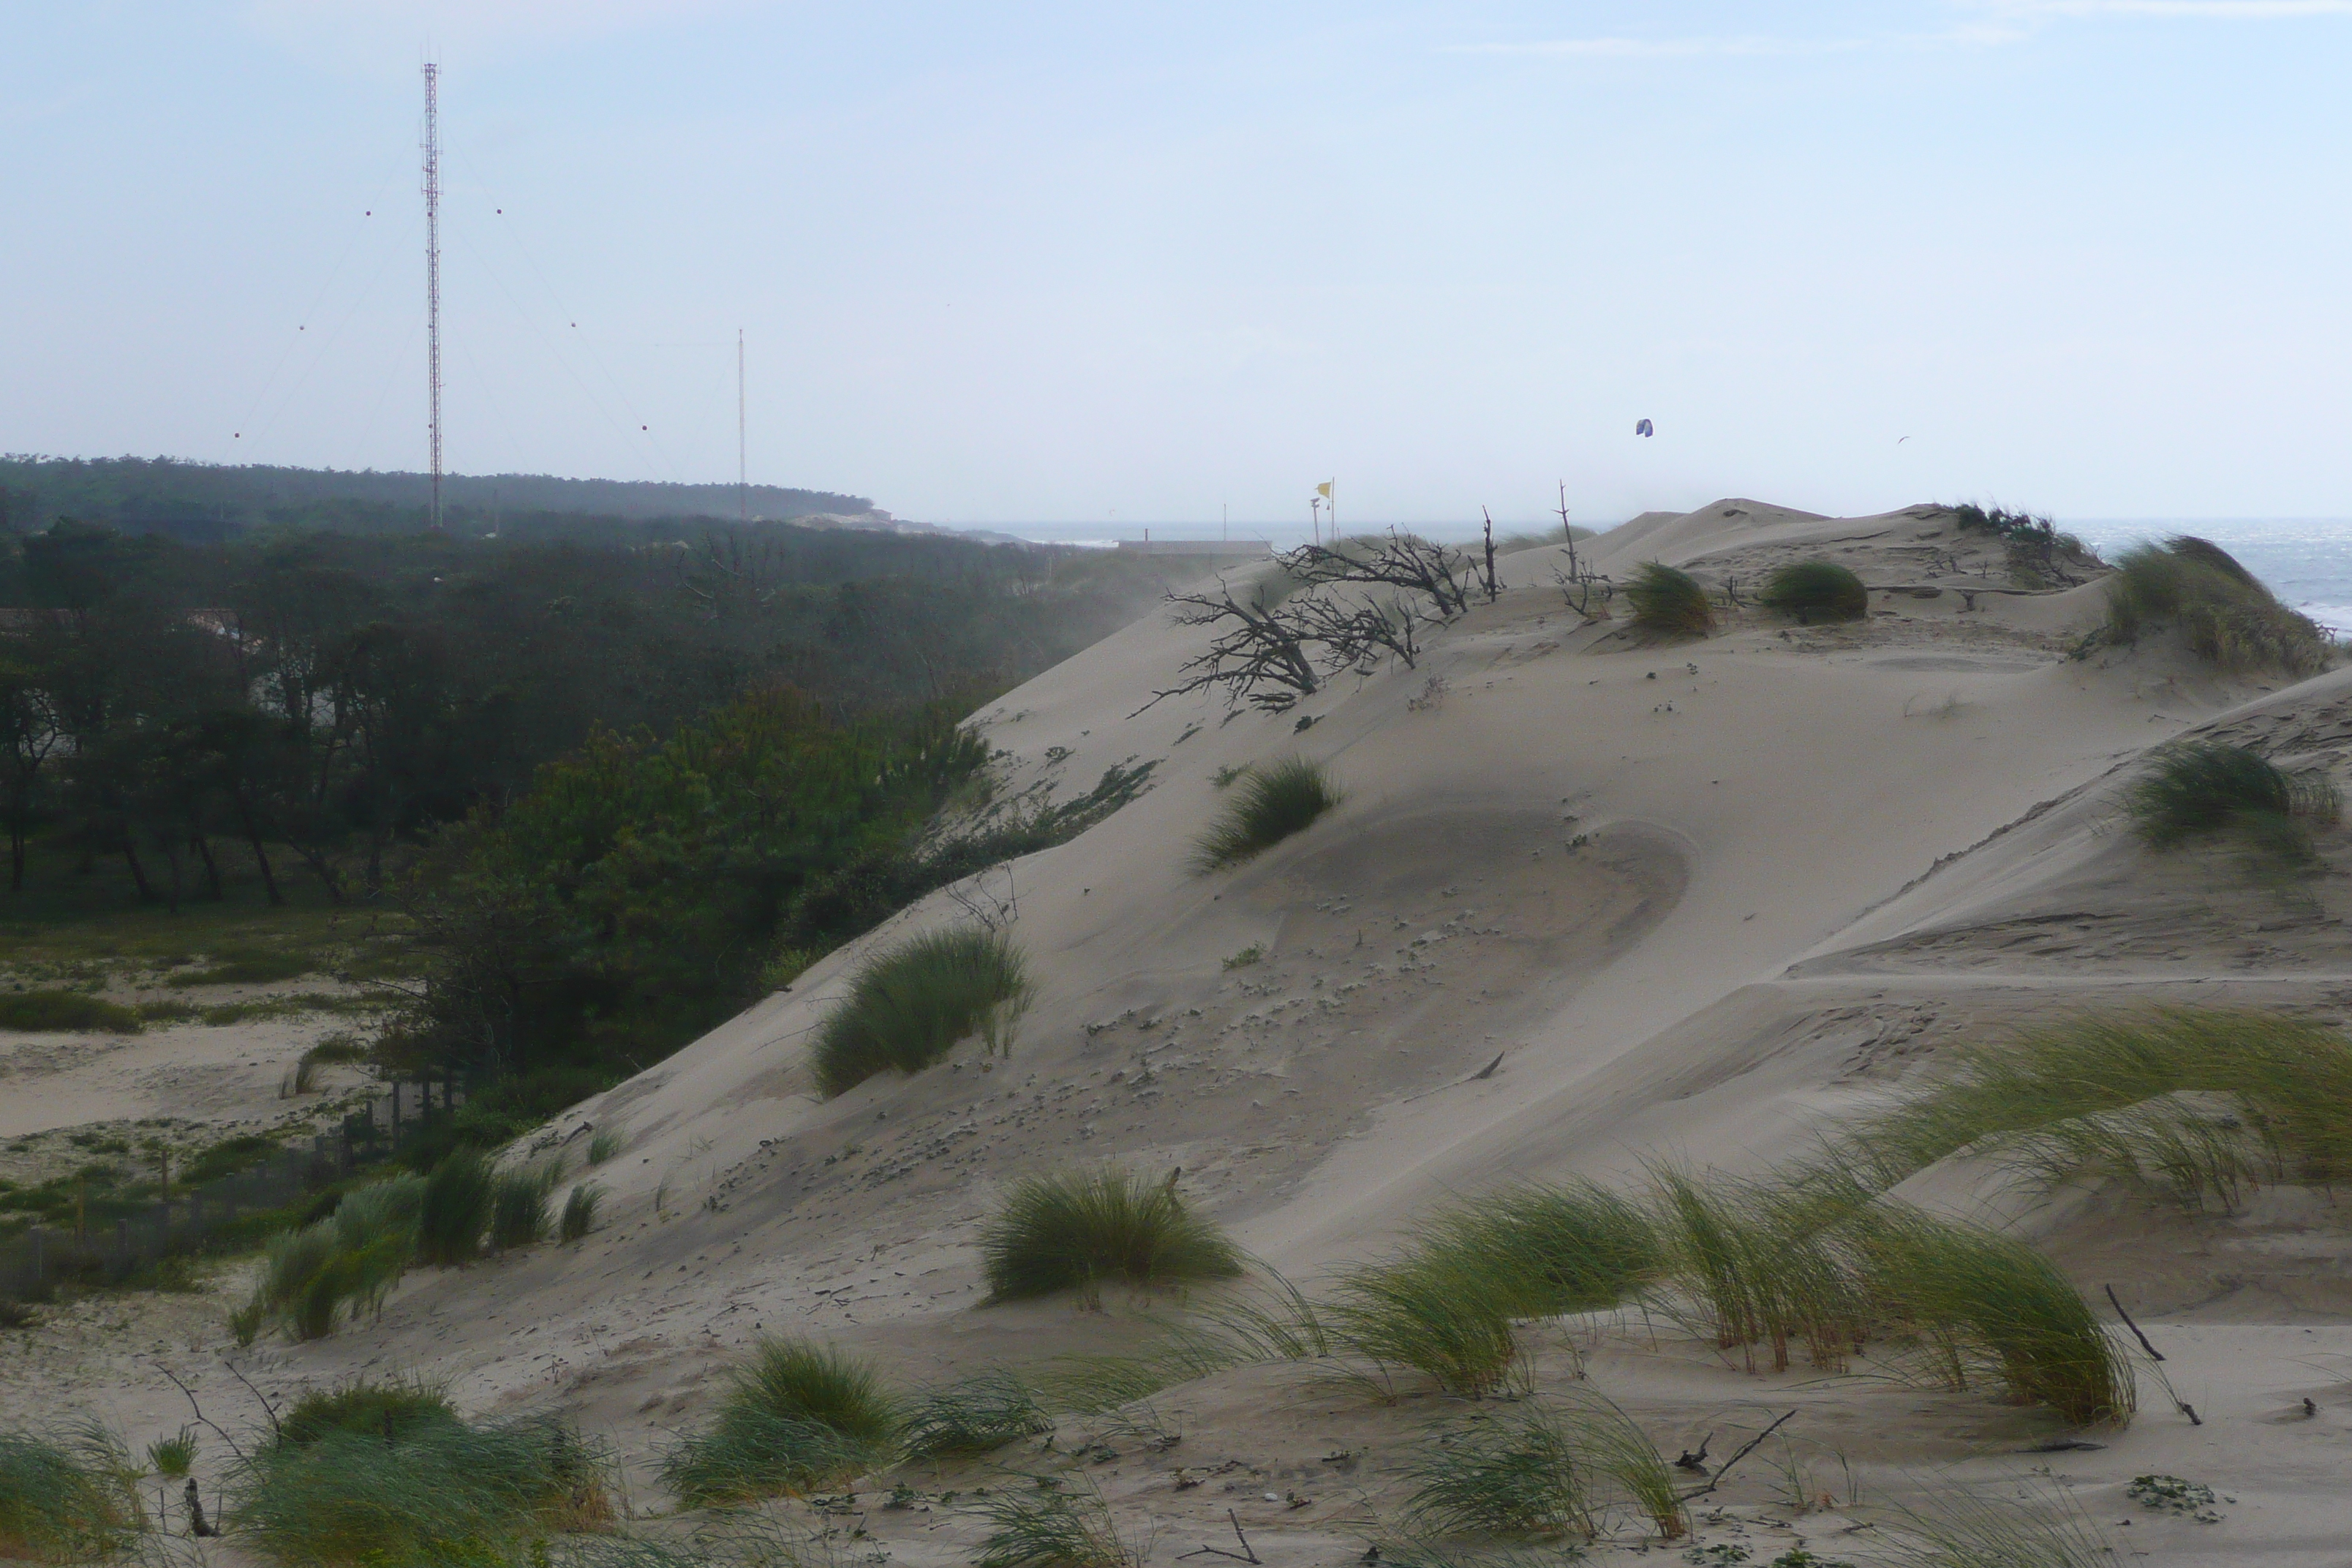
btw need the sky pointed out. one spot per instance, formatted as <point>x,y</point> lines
<point>1096,266</point>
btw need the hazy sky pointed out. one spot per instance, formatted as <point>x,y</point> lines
<point>1067,262</point>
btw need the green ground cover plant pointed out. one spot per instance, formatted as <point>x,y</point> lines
<point>390,1409</point>
<point>910,1004</point>
<point>579,1207</point>
<point>1574,1246</point>
<point>172,1456</point>
<point>1270,804</point>
<point>424,1493</point>
<point>1051,1525</point>
<point>351,1259</point>
<point>1668,602</point>
<point>2225,615</point>
<point>801,1416</point>
<point>1081,1229</point>
<point>1815,591</point>
<point>1437,1313</point>
<point>65,1012</point>
<point>1514,1471</point>
<point>66,1501</point>
<point>455,1211</point>
<point>2203,789</point>
<point>974,1416</point>
<point>518,1205</point>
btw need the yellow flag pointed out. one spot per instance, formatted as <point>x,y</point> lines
<point>1323,489</point>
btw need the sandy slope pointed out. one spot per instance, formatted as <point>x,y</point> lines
<point>1696,897</point>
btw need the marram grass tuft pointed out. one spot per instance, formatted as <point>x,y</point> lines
<point>908,1006</point>
<point>1081,1229</point>
<point>1273,803</point>
<point>1669,603</point>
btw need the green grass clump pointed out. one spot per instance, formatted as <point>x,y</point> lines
<point>73,1500</point>
<point>980,1414</point>
<point>1078,1229</point>
<point>246,966</point>
<point>1273,803</point>
<point>456,1211</point>
<point>1436,1312</point>
<point>62,1012</point>
<point>1053,1526</point>
<point>1986,1305</point>
<point>2135,1096</point>
<point>580,1211</point>
<point>2225,615</point>
<point>1573,1247</point>
<point>172,1456</point>
<point>606,1142</point>
<point>351,1259</point>
<point>389,1411</point>
<point>519,1202</point>
<point>1816,591</point>
<point>800,1417</point>
<point>1668,602</point>
<point>1756,1262</point>
<point>2202,789</point>
<point>435,1491</point>
<point>1515,1471</point>
<point>908,1007</point>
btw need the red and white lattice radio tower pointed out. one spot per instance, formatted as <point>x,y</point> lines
<point>433,271</point>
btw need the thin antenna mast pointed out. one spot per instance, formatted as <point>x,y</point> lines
<point>742,473</point>
<point>433,271</point>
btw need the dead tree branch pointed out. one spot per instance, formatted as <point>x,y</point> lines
<point>1259,657</point>
<point>1402,560</point>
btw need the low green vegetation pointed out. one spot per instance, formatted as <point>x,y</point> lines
<point>518,1205</point>
<point>1081,1229</point>
<point>399,1481</point>
<point>69,1500</point>
<point>579,1207</point>
<point>2205,789</point>
<point>455,1212</point>
<point>976,1415</point>
<point>64,1012</point>
<point>1668,602</point>
<point>351,1259</point>
<point>1054,1525</point>
<point>1517,1471</point>
<point>1815,591</point>
<point>390,1409</point>
<point>2222,612</point>
<point>1571,1247</point>
<point>2198,1104</point>
<point>171,1456</point>
<point>1434,1311</point>
<point>802,1416</point>
<point>1271,803</point>
<point>908,1006</point>
<point>605,1142</point>
<point>246,966</point>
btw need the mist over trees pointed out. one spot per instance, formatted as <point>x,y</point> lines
<point>603,784</point>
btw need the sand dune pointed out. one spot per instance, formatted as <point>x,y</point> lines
<point>1700,899</point>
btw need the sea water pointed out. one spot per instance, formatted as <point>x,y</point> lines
<point>2305,560</point>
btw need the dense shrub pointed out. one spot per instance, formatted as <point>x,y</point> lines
<point>799,1417</point>
<point>908,1006</point>
<point>1668,602</point>
<point>1816,591</point>
<point>1272,803</point>
<point>1081,1229</point>
<point>2224,613</point>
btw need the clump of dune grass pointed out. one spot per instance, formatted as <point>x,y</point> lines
<point>2224,614</point>
<point>388,1409</point>
<point>579,1207</point>
<point>455,1210</point>
<point>1435,1311</point>
<point>1815,591</point>
<point>69,1500</point>
<point>2203,789</point>
<point>1512,1471</point>
<point>1669,603</point>
<point>605,1142</point>
<point>60,1012</point>
<point>1984,1305</point>
<point>519,1203</point>
<point>1080,1229</point>
<point>979,1413</point>
<point>351,1259</point>
<point>1571,1247</point>
<point>907,1008</point>
<point>1273,803</point>
<point>799,1417</point>
<point>2041,1527</point>
<point>1756,1262</point>
<point>2196,1102</point>
<point>1054,1524</point>
<point>432,1492</point>
<point>171,1456</point>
